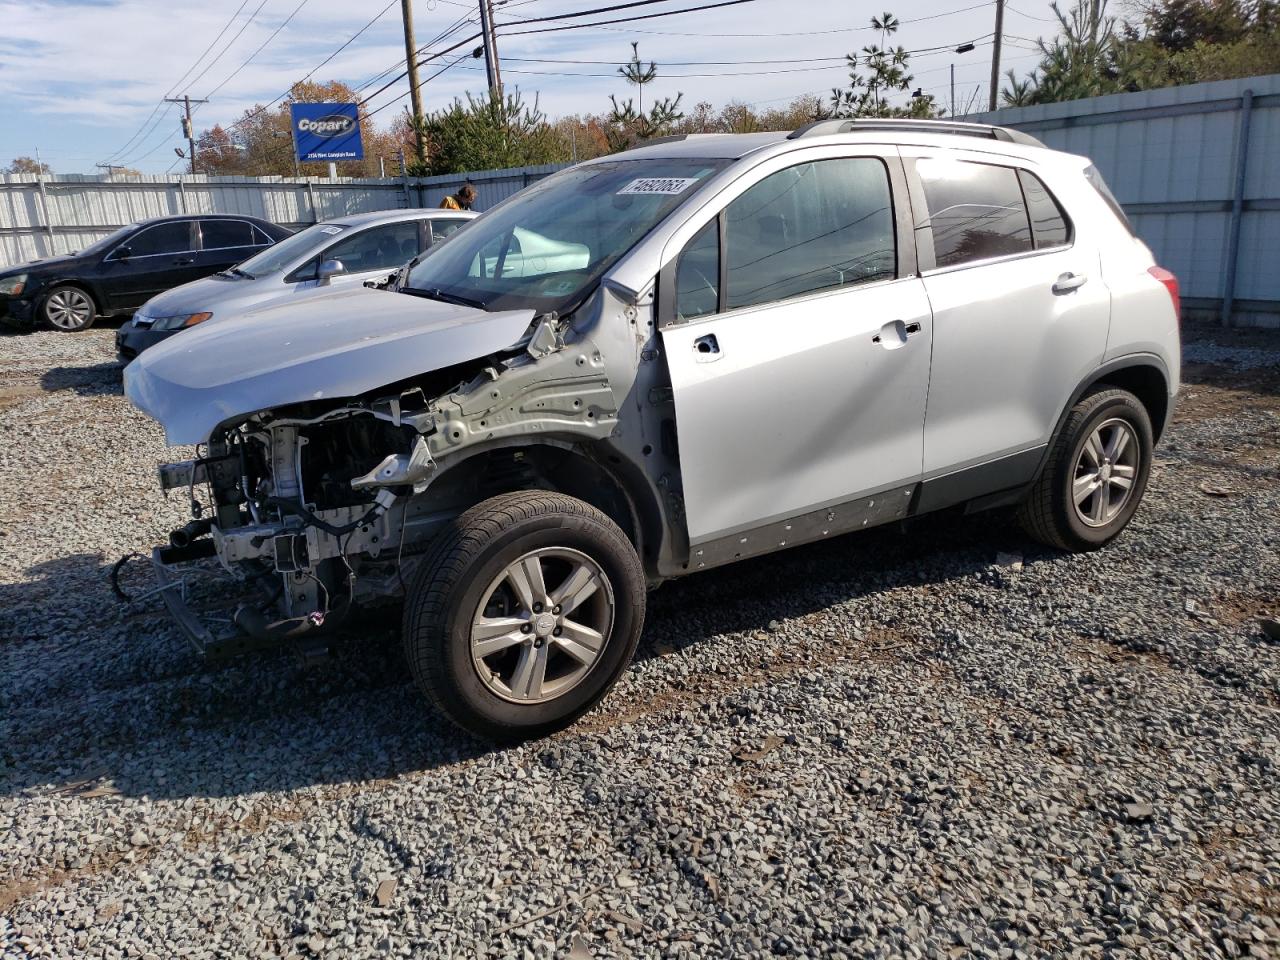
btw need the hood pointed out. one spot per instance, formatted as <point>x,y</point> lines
<point>47,265</point>
<point>332,345</point>
<point>208,293</point>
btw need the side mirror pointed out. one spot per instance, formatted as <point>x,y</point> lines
<point>122,254</point>
<point>330,269</point>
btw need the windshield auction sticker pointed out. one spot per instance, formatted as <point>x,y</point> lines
<point>669,186</point>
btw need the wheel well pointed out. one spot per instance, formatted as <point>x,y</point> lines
<point>1146,383</point>
<point>543,467</point>
<point>79,285</point>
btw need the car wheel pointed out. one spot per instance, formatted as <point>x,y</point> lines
<point>523,615</point>
<point>68,309</point>
<point>1096,473</point>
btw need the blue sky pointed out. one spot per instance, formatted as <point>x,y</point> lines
<point>79,78</point>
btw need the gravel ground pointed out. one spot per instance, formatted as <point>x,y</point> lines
<point>941,742</point>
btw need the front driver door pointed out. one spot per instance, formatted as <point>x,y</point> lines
<point>798,348</point>
<point>374,253</point>
<point>153,260</point>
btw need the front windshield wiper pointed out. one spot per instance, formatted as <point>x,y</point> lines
<point>436,293</point>
<point>234,272</point>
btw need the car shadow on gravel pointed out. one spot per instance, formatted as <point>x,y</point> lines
<point>112,699</point>
<point>95,380</point>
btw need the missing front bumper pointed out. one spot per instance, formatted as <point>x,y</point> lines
<point>214,637</point>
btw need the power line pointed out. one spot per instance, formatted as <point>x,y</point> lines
<point>253,114</point>
<point>221,53</point>
<point>160,103</point>
<point>218,56</point>
<point>572,26</point>
<point>598,23</point>
<point>261,47</point>
<point>799,33</point>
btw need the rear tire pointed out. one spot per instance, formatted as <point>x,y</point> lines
<point>68,309</point>
<point>525,612</point>
<point>1096,473</point>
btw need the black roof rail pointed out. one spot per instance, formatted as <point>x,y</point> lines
<point>826,127</point>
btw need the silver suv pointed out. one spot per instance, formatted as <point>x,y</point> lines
<point>659,362</point>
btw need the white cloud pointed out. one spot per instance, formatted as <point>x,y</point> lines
<point>83,76</point>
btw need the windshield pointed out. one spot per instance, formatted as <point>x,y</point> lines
<point>109,241</point>
<point>290,249</point>
<point>546,247</point>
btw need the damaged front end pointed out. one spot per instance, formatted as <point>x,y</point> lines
<point>316,507</point>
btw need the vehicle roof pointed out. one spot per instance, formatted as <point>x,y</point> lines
<point>177,217</point>
<point>735,146</point>
<point>393,216</point>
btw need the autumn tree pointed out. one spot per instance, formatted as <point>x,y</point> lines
<point>28,165</point>
<point>260,143</point>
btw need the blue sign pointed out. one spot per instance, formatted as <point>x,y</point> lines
<point>326,131</point>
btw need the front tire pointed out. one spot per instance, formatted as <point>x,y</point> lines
<point>524,614</point>
<point>1096,473</point>
<point>68,309</point>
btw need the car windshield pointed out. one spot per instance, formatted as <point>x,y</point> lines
<point>289,250</point>
<point>548,246</point>
<point>109,241</point>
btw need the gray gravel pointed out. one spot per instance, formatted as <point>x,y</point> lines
<point>949,742</point>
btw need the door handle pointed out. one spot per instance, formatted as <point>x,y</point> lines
<point>706,348</point>
<point>184,261</point>
<point>1069,281</point>
<point>895,333</point>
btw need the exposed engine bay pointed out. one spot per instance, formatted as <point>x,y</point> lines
<point>323,507</point>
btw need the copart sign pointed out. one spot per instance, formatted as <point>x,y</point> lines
<point>326,131</point>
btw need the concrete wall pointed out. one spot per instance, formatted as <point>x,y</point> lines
<point>1173,158</point>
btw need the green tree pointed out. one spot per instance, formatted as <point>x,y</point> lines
<point>488,133</point>
<point>1174,42</point>
<point>628,124</point>
<point>878,76</point>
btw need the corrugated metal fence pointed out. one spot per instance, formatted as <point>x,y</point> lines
<point>44,216</point>
<point>1194,166</point>
<point>1196,169</point>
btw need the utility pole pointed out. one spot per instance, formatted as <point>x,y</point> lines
<point>953,91</point>
<point>995,53</point>
<point>415,95</point>
<point>187,130</point>
<point>491,69</point>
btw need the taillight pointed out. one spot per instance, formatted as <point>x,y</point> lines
<point>1171,284</point>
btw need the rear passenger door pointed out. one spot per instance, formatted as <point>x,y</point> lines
<point>224,243</point>
<point>443,227</point>
<point>1020,312</point>
<point>797,338</point>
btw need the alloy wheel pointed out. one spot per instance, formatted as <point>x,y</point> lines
<point>1105,472</point>
<point>69,309</point>
<point>541,625</point>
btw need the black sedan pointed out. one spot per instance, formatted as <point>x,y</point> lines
<point>117,274</point>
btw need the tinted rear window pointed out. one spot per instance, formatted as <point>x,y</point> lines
<point>226,233</point>
<point>976,210</point>
<point>1049,226</point>
<point>1095,179</point>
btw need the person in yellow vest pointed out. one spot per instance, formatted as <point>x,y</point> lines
<point>462,200</point>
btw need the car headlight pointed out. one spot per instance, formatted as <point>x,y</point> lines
<point>179,322</point>
<point>13,286</point>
